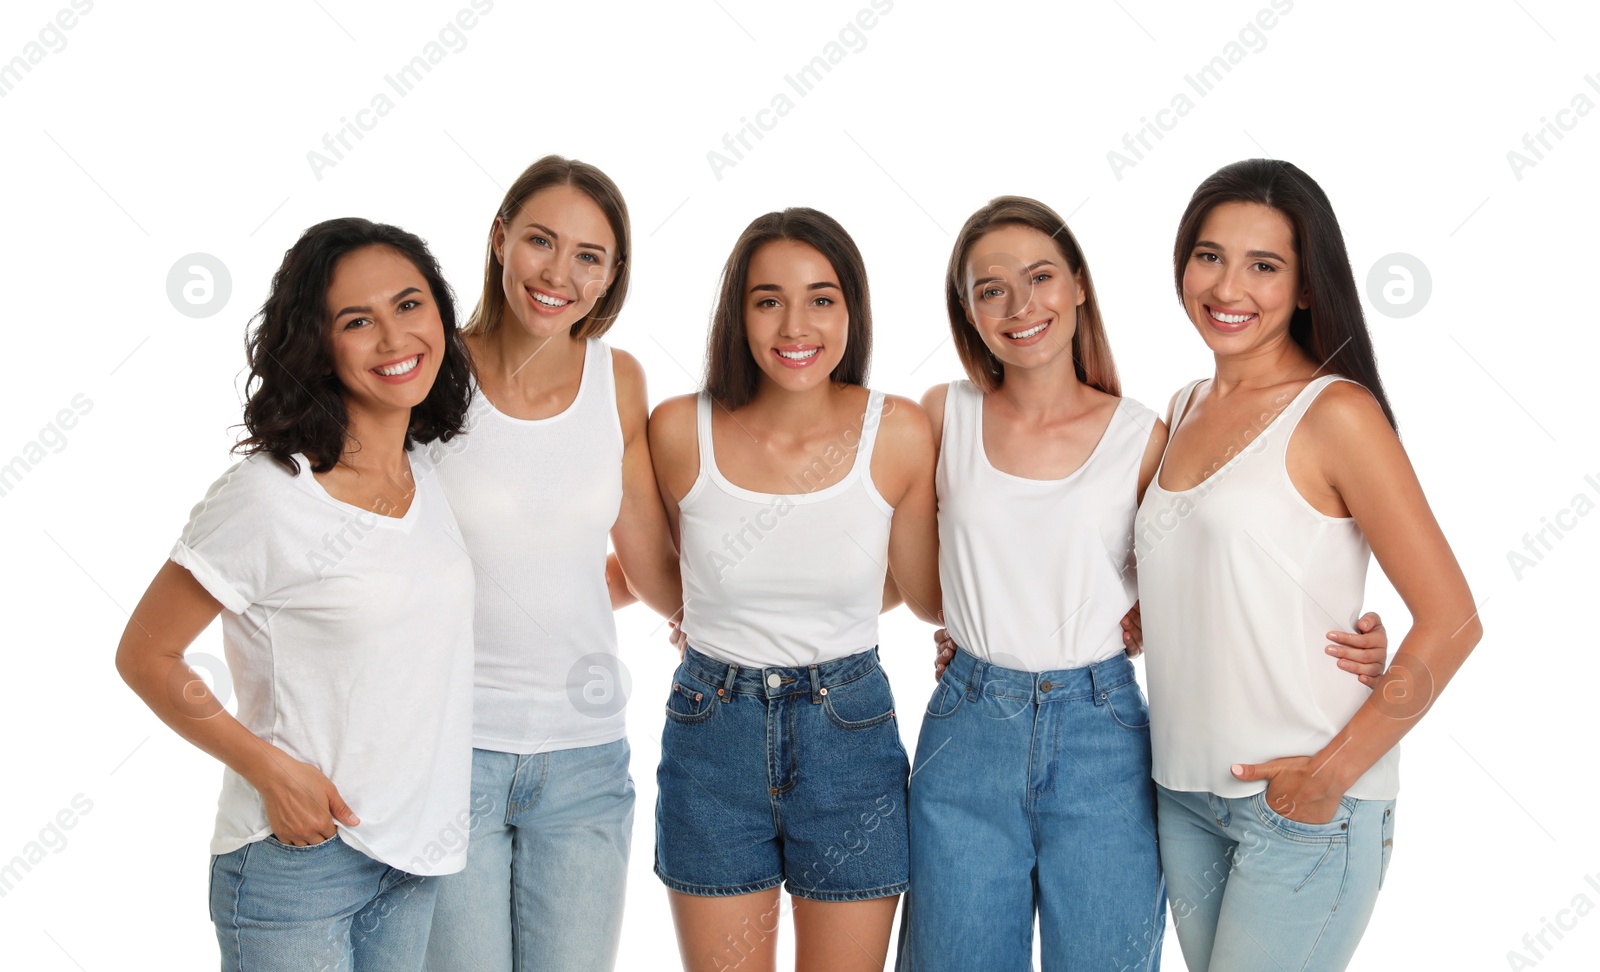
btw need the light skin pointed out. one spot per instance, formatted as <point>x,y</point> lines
<point>559,257</point>
<point>1241,284</point>
<point>796,327</point>
<point>1023,298</point>
<point>382,315</point>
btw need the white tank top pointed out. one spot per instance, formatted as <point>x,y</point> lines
<point>785,579</point>
<point>536,500</point>
<point>1037,573</point>
<point>1240,580</point>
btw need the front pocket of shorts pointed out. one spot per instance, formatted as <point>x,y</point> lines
<point>300,848</point>
<point>947,697</point>
<point>861,703</point>
<point>688,704</point>
<point>1388,842</point>
<point>1128,707</point>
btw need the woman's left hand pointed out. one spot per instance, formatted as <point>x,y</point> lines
<point>1293,788</point>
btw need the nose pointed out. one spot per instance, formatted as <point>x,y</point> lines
<point>791,323</point>
<point>1230,283</point>
<point>388,332</point>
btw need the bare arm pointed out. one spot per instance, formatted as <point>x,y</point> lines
<point>646,554</point>
<point>1365,466</point>
<point>301,802</point>
<point>905,465</point>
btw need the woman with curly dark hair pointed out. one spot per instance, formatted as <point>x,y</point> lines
<point>346,602</point>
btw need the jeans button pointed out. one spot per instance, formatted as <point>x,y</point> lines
<point>1045,685</point>
<point>773,681</point>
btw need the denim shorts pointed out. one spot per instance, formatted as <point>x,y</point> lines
<point>782,775</point>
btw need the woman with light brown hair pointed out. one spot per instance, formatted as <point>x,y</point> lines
<point>555,462</point>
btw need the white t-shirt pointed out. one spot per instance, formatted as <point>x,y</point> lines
<point>349,640</point>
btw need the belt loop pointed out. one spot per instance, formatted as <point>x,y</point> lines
<point>726,692</point>
<point>816,685</point>
<point>980,668</point>
<point>1094,684</point>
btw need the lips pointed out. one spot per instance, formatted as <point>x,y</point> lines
<point>797,355</point>
<point>1230,320</point>
<point>1030,334</point>
<point>397,372</point>
<point>546,302</point>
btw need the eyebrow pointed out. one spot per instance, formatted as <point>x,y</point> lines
<point>774,288</point>
<point>547,231</point>
<point>1249,253</point>
<point>363,309</point>
<point>1027,269</point>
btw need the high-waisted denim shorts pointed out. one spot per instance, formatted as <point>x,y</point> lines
<point>782,775</point>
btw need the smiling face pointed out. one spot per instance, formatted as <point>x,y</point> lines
<point>385,336</point>
<point>1021,296</point>
<point>559,255</point>
<point>794,314</point>
<point>1242,281</point>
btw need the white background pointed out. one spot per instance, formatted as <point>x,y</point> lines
<point>152,135</point>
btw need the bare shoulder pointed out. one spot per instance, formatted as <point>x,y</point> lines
<point>905,425</point>
<point>674,419</point>
<point>628,373</point>
<point>1345,412</point>
<point>674,447</point>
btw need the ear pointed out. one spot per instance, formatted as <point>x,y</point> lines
<point>497,240</point>
<point>1083,293</point>
<point>1305,298</point>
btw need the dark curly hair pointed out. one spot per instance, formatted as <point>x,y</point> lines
<point>295,400</point>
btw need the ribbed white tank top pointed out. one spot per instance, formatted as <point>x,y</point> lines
<point>1037,573</point>
<point>1240,579</point>
<point>785,579</point>
<point>536,500</point>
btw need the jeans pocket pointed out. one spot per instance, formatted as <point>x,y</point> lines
<point>690,702</point>
<point>860,703</point>
<point>1128,707</point>
<point>1336,829</point>
<point>947,697</point>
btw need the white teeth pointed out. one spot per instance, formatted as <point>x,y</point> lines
<point>799,355</point>
<point>1232,318</point>
<point>1030,332</point>
<point>550,301</point>
<point>403,367</point>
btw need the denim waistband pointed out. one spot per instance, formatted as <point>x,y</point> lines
<point>772,683</point>
<point>1062,685</point>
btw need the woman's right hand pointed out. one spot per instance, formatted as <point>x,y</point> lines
<point>303,805</point>
<point>946,651</point>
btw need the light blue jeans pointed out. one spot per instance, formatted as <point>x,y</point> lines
<point>1253,891</point>
<point>547,865</point>
<point>1032,793</point>
<point>323,908</point>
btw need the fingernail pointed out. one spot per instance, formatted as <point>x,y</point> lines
<point>1238,770</point>
<point>1329,649</point>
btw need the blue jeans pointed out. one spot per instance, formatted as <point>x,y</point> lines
<point>1032,792</point>
<point>1253,891</point>
<point>792,775</point>
<point>323,908</point>
<point>547,865</point>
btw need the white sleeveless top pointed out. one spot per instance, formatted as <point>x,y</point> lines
<point>1240,580</point>
<point>785,579</point>
<point>536,500</point>
<point>1037,573</point>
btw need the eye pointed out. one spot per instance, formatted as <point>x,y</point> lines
<point>991,293</point>
<point>588,257</point>
<point>767,302</point>
<point>538,240</point>
<point>1264,267</point>
<point>1041,276</point>
<point>822,302</point>
<point>353,323</point>
<point>410,303</point>
<point>1206,256</point>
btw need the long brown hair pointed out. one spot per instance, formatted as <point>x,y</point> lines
<point>554,170</point>
<point>732,375</point>
<point>1332,330</point>
<point>1091,352</point>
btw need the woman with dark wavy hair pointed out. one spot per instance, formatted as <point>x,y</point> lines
<point>557,462</point>
<point>346,600</point>
<point>792,487</point>
<point>1282,476</point>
